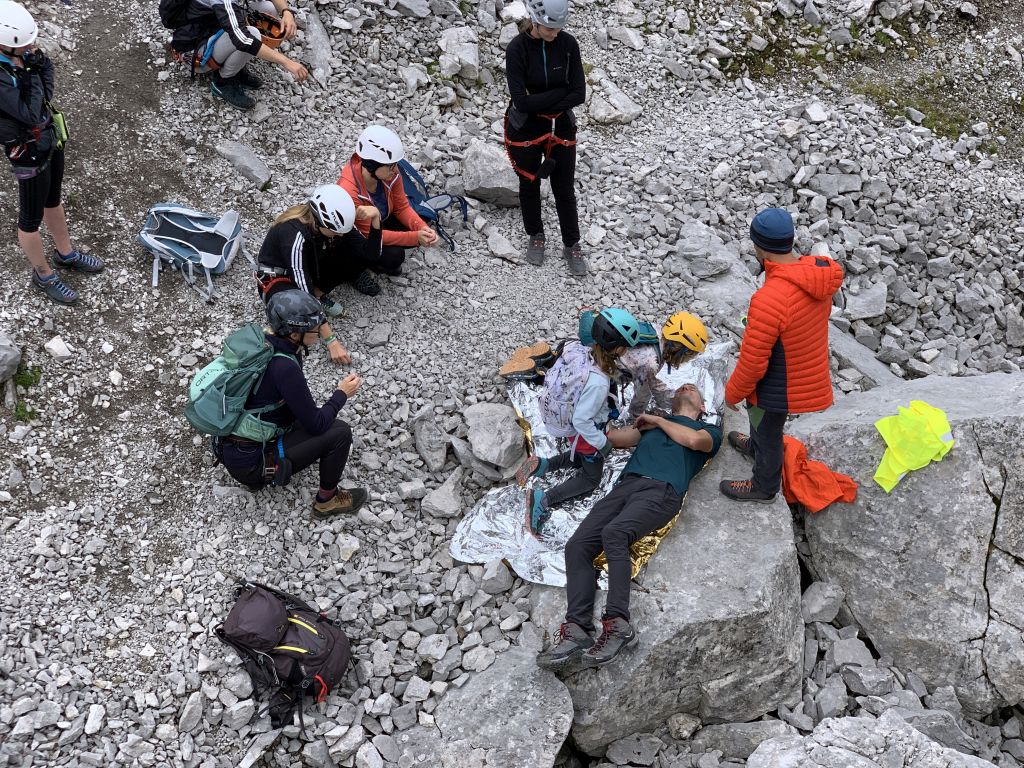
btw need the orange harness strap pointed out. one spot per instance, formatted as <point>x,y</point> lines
<point>549,140</point>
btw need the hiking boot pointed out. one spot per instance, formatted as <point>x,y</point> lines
<point>741,443</point>
<point>54,288</point>
<point>534,466</point>
<point>744,490</point>
<point>524,362</point>
<point>567,646</point>
<point>82,262</point>
<point>574,255</point>
<point>332,308</point>
<point>535,250</point>
<point>616,634</point>
<point>342,503</point>
<point>537,513</point>
<point>229,90</point>
<point>366,284</point>
<point>248,80</point>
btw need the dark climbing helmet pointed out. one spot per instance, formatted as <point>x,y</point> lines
<point>294,311</point>
<point>615,328</point>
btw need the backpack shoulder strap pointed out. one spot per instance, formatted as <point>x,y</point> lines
<point>407,168</point>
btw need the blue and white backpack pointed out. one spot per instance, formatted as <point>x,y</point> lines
<point>563,386</point>
<point>428,206</point>
<point>194,243</point>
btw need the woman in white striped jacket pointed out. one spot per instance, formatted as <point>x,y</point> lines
<point>313,246</point>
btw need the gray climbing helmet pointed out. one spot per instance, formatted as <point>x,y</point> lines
<point>294,311</point>
<point>549,13</point>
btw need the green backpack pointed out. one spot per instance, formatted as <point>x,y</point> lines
<point>217,395</point>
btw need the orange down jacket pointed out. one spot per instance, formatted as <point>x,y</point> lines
<point>783,365</point>
<point>351,180</point>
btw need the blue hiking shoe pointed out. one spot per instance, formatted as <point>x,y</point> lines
<point>82,262</point>
<point>54,288</point>
<point>331,307</point>
<point>534,466</point>
<point>537,512</point>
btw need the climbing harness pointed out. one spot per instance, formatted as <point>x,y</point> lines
<point>547,142</point>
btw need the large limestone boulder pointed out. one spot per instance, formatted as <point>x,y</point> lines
<point>495,435</point>
<point>718,619</point>
<point>861,742</point>
<point>934,571</point>
<point>511,715</point>
<point>487,174</point>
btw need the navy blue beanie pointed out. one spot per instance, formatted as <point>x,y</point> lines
<point>772,230</point>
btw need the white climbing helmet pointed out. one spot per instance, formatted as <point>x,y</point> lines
<point>333,208</point>
<point>549,13</point>
<point>380,144</point>
<point>17,27</point>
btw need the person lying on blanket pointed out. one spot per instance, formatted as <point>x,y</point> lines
<point>668,453</point>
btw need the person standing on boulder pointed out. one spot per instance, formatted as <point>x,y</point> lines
<point>668,453</point>
<point>546,80</point>
<point>783,366</point>
<point>33,144</point>
<point>372,178</point>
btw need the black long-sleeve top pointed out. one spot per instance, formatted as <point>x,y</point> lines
<point>285,383</point>
<point>302,251</point>
<point>205,18</point>
<point>545,78</point>
<point>24,118</point>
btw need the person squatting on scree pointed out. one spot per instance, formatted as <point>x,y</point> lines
<point>311,434</point>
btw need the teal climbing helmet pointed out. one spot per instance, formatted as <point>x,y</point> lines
<point>615,328</point>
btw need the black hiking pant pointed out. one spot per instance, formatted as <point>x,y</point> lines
<point>766,442</point>
<point>391,256</point>
<point>563,185</point>
<point>583,482</point>
<point>635,507</point>
<point>246,461</point>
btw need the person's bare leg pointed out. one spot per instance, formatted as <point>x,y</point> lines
<point>57,223</point>
<point>32,245</point>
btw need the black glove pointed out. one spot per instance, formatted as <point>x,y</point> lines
<point>606,449</point>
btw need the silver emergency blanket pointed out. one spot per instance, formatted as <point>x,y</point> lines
<point>496,527</point>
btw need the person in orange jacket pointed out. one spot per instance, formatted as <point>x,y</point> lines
<point>783,366</point>
<point>372,177</point>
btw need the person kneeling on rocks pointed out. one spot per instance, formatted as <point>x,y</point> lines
<point>372,178</point>
<point>574,404</point>
<point>312,246</point>
<point>216,37</point>
<point>668,453</point>
<point>315,434</point>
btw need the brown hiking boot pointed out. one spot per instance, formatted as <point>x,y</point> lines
<point>741,443</point>
<point>342,503</point>
<point>524,361</point>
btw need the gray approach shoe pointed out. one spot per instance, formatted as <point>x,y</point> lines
<point>535,250</point>
<point>54,288</point>
<point>574,255</point>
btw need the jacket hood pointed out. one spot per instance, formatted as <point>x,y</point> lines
<point>818,276</point>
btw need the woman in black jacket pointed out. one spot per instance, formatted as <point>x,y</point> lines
<point>313,246</point>
<point>313,434</point>
<point>30,141</point>
<point>546,80</point>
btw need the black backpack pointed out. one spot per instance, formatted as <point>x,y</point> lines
<point>173,13</point>
<point>286,646</point>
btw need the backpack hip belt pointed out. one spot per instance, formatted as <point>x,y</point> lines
<point>549,141</point>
